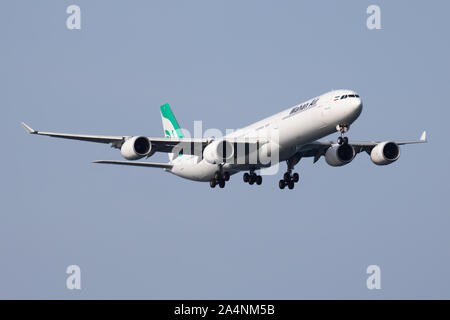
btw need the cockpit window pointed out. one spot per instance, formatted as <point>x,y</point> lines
<point>345,96</point>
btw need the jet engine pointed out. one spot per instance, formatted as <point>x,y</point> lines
<point>385,153</point>
<point>340,155</point>
<point>136,148</point>
<point>218,152</point>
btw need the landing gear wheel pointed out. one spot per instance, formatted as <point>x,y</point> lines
<point>217,176</point>
<point>287,176</point>
<point>212,183</point>
<point>226,176</point>
<point>246,177</point>
<point>221,183</point>
<point>345,140</point>
<point>340,141</point>
<point>252,179</point>
<point>258,180</point>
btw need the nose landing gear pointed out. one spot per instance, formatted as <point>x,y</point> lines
<point>342,128</point>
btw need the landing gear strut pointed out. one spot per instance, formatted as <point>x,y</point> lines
<point>342,128</point>
<point>219,178</point>
<point>289,178</point>
<point>252,178</point>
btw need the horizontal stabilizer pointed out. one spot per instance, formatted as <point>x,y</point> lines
<point>138,164</point>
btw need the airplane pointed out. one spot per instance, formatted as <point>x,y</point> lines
<point>287,136</point>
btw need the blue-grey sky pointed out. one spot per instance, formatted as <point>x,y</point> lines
<point>143,233</point>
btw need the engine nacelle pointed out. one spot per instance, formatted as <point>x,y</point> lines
<point>136,148</point>
<point>385,153</point>
<point>218,152</point>
<point>339,155</point>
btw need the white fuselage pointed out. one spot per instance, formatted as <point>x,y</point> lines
<point>291,128</point>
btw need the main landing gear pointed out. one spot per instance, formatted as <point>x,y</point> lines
<point>289,178</point>
<point>252,178</point>
<point>219,179</point>
<point>342,128</point>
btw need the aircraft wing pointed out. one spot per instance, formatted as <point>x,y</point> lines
<point>83,137</point>
<point>318,148</point>
<point>192,146</point>
<point>138,164</point>
<point>162,144</point>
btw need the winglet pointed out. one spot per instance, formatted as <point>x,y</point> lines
<point>423,137</point>
<point>28,128</point>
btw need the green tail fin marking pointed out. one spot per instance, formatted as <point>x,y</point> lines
<point>170,124</point>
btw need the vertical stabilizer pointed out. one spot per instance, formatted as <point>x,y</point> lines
<point>170,125</point>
